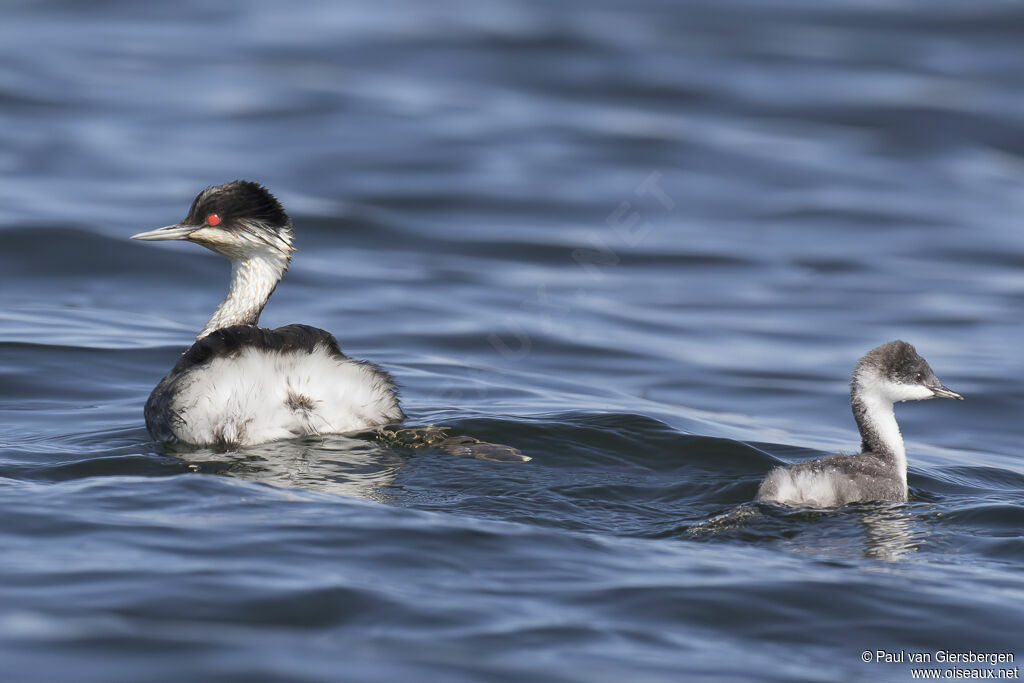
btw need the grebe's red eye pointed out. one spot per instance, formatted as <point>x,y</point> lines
<point>213,219</point>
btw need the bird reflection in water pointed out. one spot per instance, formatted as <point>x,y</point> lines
<point>361,465</point>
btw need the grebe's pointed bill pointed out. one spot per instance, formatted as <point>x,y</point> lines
<point>168,232</point>
<point>942,391</point>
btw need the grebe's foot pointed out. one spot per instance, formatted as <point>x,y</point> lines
<point>440,436</point>
<point>496,452</point>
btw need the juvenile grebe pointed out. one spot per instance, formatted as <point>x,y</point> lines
<point>240,384</point>
<point>891,373</point>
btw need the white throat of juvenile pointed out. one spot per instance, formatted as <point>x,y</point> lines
<point>872,405</point>
<point>254,276</point>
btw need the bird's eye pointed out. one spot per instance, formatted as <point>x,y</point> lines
<point>919,376</point>
<point>213,219</point>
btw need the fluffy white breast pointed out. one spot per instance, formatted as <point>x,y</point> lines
<point>258,396</point>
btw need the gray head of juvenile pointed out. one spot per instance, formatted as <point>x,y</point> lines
<point>895,372</point>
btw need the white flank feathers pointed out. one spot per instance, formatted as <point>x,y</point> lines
<point>258,396</point>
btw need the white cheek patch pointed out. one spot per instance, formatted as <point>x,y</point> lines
<point>908,392</point>
<point>237,246</point>
<point>873,385</point>
<point>208,236</point>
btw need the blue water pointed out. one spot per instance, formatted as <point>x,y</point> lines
<point>642,242</point>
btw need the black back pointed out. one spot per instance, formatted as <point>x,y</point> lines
<point>228,341</point>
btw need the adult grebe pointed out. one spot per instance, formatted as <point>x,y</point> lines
<point>891,373</point>
<point>240,384</point>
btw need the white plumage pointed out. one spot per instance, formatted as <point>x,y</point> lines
<point>258,396</point>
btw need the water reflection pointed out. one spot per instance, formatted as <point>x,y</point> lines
<point>889,532</point>
<point>876,531</point>
<point>360,465</point>
<point>332,464</point>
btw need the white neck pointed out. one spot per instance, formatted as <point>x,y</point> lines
<point>253,279</point>
<point>872,399</point>
<point>883,433</point>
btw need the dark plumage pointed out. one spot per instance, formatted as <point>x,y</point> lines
<point>887,374</point>
<point>237,200</point>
